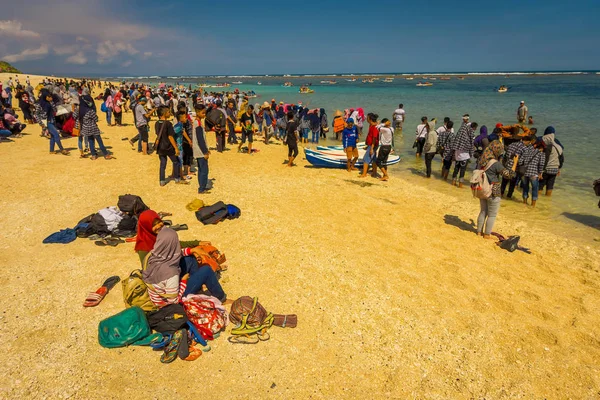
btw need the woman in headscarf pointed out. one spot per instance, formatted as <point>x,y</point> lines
<point>324,123</point>
<point>108,104</point>
<point>89,124</point>
<point>118,108</point>
<point>75,108</point>
<point>24,104</point>
<point>489,161</point>
<point>554,160</point>
<point>359,119</point>
<point>171,273</point>
<point>315,125</point>
<point>304,125</point>
<point>46,112</point>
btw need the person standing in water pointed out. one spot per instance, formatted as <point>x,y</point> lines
<point>533,162</point>
<point>386,133</point>
<point>462,146</point>
<point>430,149</point>
<point>399,117</point>
<point>522,113</point>
<point>421,133</point>
<point>554,160</point>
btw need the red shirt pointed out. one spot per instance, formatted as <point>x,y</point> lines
<point>372,136</point>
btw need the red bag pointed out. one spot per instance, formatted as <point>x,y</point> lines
<point>206,313</point>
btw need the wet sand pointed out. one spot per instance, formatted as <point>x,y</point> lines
<point>395,295</point>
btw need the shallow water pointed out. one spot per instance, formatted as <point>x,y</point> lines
<point>567,102</point>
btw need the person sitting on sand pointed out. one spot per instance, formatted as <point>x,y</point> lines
<point>171,273</point>
<point>349,139</point>
<point>291,135</point>
<point>489,207</point>
<point>372,142</point>
<point>386,134</point>
<point>88,120</point>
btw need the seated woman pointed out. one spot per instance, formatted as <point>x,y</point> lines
<point>172,273</point>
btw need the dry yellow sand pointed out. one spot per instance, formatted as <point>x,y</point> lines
<point>392,302</point>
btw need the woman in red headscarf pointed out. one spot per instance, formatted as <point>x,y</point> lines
<point>149,224</point>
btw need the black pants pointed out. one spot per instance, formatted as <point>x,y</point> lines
<point>548,181</point>
<point>220,141</point>
<point>511,183</point>
<point>163,167</point>
<point>293,150</point>
<point>447,163</point>
<point>420,144</point>
<point>188,154</point>
<point>119,118</point>
<point>428,159</point>
<point>382,156</point>
<point>460,166</point>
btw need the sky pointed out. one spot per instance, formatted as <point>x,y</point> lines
<point>173,38</point>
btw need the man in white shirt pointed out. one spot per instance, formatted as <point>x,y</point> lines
<point>399,117</point>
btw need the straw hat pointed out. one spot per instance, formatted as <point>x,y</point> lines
<point>266,104</point>
<point>338,113</point>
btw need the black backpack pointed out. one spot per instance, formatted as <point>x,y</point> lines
<point>214,119</point>
<point>212,214</point>
<point>132,205</point>
<point>168,319</point>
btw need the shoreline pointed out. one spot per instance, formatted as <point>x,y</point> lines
<point>386,278</point>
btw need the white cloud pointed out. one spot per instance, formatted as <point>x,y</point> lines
<point>62,50</point>
<point>78,58</point>
<point>147,54</point>
<point>127,63</point>
<point>15,28</point>
<point>28,54</point>
<point>81,39</point>
<point>108,50</point>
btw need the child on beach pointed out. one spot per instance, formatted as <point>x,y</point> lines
<point>247,121</point>
<point>372,143</point>
<point>386,134</point>
<point>201,152</point>
<point>183,132</point>
<point>166,147</point>
<point>349,138</point>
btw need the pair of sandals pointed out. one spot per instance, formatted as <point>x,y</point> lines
<point>94,298</point>
<point>177,345</point>
<point>113,242</point>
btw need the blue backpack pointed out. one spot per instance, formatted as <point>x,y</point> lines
<point>103,107</point>
<point>233,212</point>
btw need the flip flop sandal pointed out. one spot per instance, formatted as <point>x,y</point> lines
<point>196,335</point>
<point>170,353</point>
<point>94,298</point>
<point>111,282</point>
<point>182,182</point>
<point>148,340</point>
<point>163,214</point>
<point>243,339</point>
<point>182,227</point>
<point>106,242</point>
<point>131,239</point>
<point>195,352</point>
<point>160,345</point>
<point>183,351</point>
<point>94,237</point>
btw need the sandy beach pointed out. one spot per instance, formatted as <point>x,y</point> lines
<point>396,296</point>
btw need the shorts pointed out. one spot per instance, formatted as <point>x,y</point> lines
<point>351,152</point>
<point>143,131</point>
<point>188,153</point>
<point>368,159</point>
<point>398,124</point>
<point>293,150</point>
<point>382,157</point>
<point>247,135</point>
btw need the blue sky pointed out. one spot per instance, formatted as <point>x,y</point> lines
<point>276,37</point>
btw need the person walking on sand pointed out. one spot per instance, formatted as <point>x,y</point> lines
<point>108,105</point>
<point>399,117</point>
<point>200,148</point>
<point>247,121</point>
<point>420,135</point>
<point>349,139</point>
<point>462,146</point>
<point>522,112</point>
<point>291,135</point>
<point>231,121</point>
<point>46,111</point>
<point>141,118</point>
<point>372,142</point>
<point>88,119</point>
<point>166,147</point>
<point>386,133</point>
<point>488,208</point>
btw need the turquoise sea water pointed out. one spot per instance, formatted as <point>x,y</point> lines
<point>570,103</point>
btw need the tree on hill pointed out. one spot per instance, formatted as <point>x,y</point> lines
<point>6,67</point>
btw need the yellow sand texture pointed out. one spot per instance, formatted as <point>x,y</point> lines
<point>392,302</point>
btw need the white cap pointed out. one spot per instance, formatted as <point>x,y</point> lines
<point>522,101</point>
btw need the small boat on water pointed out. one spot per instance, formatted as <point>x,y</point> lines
<point>503,89</point>
<point>305,90</point>
<point>237,83</point>
<point>420,84</point>
<point>370,80</point>
<point>445,78</point>
<point>331,82</point>
<point>462,78</point>
<point>433,79</point>
<point>288,84</point>
<point>388,80</point>
<point>409,78</point>
<point>259,83</point>
<point>351,80</point>
<point>323,160</point>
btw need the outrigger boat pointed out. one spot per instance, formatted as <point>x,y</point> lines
<point>326,160</point>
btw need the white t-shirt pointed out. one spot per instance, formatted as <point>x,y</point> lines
<point>399,114</point>
<point>385,135</point>
<point>421,131</point>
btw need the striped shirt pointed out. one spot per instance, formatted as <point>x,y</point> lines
<point>169,291</point>
<point>512,150</point>
<point>533,160</point>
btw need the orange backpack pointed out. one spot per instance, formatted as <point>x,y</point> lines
<point>211,256</point>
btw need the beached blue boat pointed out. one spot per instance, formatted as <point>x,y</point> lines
<point>323,160</point>
<point>360,145</point>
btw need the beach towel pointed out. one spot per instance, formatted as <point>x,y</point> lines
<point>63,236</point>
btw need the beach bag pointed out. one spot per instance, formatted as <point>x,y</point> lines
<point>210,255</point>
<point>212,214</point>
<point>103,107</point>
<point>131,204</point>
<point>214,119</point>
<point>125,328</point>
<point>135,292</point>
<point>168,319</point>
<point>250,318</point>
<point>480,186</point>
<point>206,313</point>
